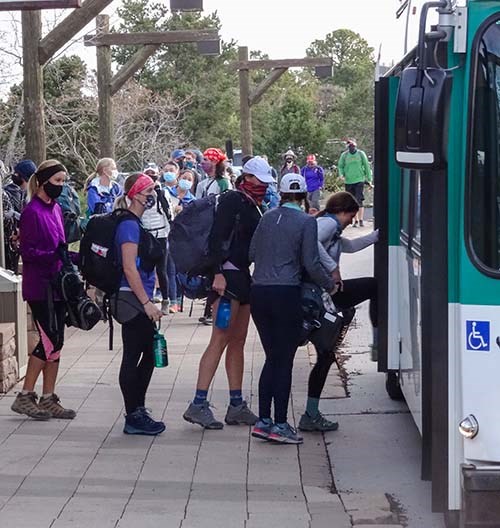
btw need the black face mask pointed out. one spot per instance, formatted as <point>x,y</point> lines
<point>53,191</point>
<point>18,180</point>
<point>150,201</point>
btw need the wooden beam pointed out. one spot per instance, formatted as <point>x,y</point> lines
<point>33,87</point>
<point>260,90</point>
<point>106,142</point>
<point>245,110</point>
<point>136,62</point>
<point>281,63</point>
<point>160,37</point>
<point>69,27</point>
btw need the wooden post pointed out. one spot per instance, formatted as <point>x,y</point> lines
<point>33,87</point>
<point>106,140</point>
<point>245,111</point>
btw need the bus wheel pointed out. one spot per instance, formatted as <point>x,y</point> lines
<point>393,387</point>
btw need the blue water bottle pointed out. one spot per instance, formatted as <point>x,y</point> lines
<point>223,314</point>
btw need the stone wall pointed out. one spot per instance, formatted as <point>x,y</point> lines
<point>8,363</point>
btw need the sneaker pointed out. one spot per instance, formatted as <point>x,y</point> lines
<point>201,414</point>
<point>157,298</point>
<point>284,434</point>
<point>164,307</point>
<point>240,415</point>
<point>52,405</point>
<point>355,224</point>
<point>262,429</point>
<point>361,224</point>
<point>27,404</point>
<point>172,309</point>
<point>318,423</point>
<point>140,423</point>
<point>207,321</point>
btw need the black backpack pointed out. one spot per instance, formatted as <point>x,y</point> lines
<point>99,264</point>
<point>190,234</point>
<point>81,311</point>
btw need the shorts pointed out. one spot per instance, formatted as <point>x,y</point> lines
<point>356,189</point>
<point>238,286</point>
<point>50,326</point>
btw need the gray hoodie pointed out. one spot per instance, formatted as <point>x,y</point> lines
<point>284,245</point>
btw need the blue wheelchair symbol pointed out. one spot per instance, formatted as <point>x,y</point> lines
<point>478,335</point>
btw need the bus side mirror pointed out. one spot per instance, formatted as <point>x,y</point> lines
<point>422,119</point>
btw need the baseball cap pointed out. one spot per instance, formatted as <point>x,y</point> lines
<point>151,167</point>
<point>293,183</point>
<point>259,168</point>
<point>25,169</point>
<point>177,154</point>
<point>352,141</point>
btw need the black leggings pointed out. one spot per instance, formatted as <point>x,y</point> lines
<point>276,311</point>
<point>137,361</point>
<point>161,270</point>
<point>49,321</point>
<point>354,292</point>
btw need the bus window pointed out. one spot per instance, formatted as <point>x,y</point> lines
<point>405,204</point>
<point>484,162</point>
<point>416,205</point>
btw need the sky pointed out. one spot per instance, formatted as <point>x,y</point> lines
<point>281,28</point>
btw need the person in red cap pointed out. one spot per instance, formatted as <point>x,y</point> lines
<point>315,179</point>
<point>214,164</point>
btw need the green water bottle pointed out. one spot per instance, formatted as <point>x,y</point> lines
<point>160,349</point>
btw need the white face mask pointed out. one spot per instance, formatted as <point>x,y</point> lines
<point>114,174</point>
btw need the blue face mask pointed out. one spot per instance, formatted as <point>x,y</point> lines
<point>169,177</point>
<point>188,164</point>
<point>185,185</point>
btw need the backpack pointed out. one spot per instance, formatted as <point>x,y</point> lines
<point>70,205</point>
<point>194,287</point>
<point>190,234</point>
<point>81,311</point>
<point>99,264</point>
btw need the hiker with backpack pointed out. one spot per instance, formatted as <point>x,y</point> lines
<point>214,165</point>
<point>157,222</point>
<point>41,236</point>
<point>101,187</point>
<point>284,246</point>
<point>237,214</point>
<point>69,201</point>
<point>139,253</point>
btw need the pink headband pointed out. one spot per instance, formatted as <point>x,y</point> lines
<point>142,182</point>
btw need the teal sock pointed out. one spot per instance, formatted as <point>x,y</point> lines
<point>312,407</point>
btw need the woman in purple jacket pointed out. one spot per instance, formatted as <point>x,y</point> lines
<point>41,234</point>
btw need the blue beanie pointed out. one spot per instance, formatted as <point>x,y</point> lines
<point>25,168</point>
<point>177,153</point>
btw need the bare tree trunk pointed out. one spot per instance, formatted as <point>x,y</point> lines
<point>9,152</point>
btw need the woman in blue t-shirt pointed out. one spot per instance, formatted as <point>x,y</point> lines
<point>136,291</point>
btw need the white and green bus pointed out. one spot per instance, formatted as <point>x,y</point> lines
<point>437,204</point>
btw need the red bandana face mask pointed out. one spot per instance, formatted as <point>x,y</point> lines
<point>257,192</point>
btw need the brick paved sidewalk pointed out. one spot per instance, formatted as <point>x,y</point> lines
<point>87,473</point>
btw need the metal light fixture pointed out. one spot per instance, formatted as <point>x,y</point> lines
<point>186,5</point>
<point>469,427</point>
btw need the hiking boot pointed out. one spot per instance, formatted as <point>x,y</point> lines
<point>201,414</point>
<point>262,429</point>
<point>318,423</point>
<point>240,415</point>
<point>285,434</point>
<point>56,410</point>
<point>140,422</point>
<point>27,404</point>
<point>165,307</point>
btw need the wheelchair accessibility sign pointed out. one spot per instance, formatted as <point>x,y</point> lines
<point>478,335</point>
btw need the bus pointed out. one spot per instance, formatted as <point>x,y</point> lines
<point>437,205</point>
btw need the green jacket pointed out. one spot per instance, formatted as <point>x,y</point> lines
<point>355,167</point>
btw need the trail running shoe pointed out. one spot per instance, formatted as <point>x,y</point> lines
<point>52,405</point>
<point>318,423</point>
<point>262,429</point>
<point>27,404</point>
<point>201,414</point>
<point>285,434</point>
<point>240,415</point>
<point>140,423</point>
